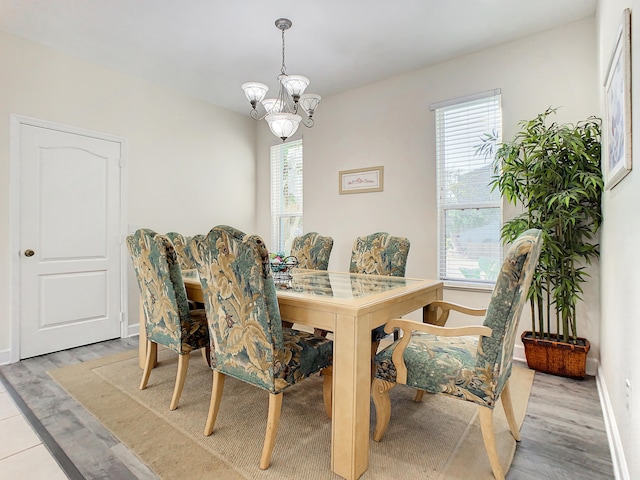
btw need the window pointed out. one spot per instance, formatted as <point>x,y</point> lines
<point>469,214</point>
<point>286,195</point>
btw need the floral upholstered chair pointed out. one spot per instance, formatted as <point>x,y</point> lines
<point>246,329</point>
<point>312,251</point>
<point>469,363</point>
<point>181,244</point>
<point>169,321</point>
<point>185,259</point>
<point>379,254</point>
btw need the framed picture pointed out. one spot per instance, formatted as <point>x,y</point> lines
<point>362,180</point>
<point>617,145</point>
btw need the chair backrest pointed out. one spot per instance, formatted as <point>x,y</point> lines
<point>162,289</point>
<point>380,254</point>
<point>495,353</point>
<point>241,304</point>
<point>312,251</point>
<point>181,244</point>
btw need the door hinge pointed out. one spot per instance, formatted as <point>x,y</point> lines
<point>123,317</point>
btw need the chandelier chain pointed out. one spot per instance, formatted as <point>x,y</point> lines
<point>283,69</point>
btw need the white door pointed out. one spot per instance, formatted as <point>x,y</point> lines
<point>70,250</point>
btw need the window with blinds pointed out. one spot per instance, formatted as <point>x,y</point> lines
<point>286,195</point>
<point>469,213</point>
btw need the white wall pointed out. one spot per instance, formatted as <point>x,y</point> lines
<point>190,165</point>
<point>389,123</point>
<point>620,264</point>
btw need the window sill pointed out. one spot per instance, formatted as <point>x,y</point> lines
<point>469,287</point>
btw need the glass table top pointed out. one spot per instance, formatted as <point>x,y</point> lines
<point>338,285</point>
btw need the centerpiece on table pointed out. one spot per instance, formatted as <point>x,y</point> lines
<point>281,266</point>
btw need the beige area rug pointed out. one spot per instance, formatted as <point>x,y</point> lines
<point>439,438</point>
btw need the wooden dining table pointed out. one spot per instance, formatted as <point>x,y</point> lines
<point>351,306</point>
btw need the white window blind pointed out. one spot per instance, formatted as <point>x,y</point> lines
<point>469,214</point>
<point>286,195</point>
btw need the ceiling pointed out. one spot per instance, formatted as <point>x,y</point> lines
<point>208,48</point>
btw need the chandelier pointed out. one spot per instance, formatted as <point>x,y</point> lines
<point>283,112</point>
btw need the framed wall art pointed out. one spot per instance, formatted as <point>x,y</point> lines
<point>361,180</point>
<point>616,154</point>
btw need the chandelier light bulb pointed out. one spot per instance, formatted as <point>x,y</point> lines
<point>283,125</point>
<point>309,102</point>
<point>273,105</point>
<point>295,85</point>
<point>255,92</point>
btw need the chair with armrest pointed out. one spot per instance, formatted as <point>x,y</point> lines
<point>169,321</point>
<point>248,340</point>
<point>469,363</point>
<point>379,254</point>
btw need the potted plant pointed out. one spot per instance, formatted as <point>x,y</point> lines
<point>554,172</point>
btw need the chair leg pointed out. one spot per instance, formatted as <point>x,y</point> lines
<point>216,397</point>
<point>508,411</point>
<point>183,366</point>
<point>206,354</point>
<point>320,332</point>
<point>380,394</point>
<point>488,435</point>
<point>419,395</point>
<point>327,389</point>
<point>275,407</point>
<point>374,350</point>
<point>152,350</point>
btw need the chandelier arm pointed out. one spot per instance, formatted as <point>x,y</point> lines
<point>307,122</point>
<point>256,115</point>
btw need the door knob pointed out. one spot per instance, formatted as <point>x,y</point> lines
<point>29,253</point>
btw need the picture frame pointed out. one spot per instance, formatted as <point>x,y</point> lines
<point>361,180</point>
<point>617,160</point>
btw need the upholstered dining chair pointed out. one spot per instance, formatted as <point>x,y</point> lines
<point>379,254</point>
<point>169,321</point>
<point>249,342</point>
<point>185,259</point>
<point>468,363</point>
<point>181,244</point>
<point>312,251</point>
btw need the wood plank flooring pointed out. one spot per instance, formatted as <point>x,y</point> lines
<point>563,436</point>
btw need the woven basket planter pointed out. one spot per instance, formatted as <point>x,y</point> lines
<point>556,357</point>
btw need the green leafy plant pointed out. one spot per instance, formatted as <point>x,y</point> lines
<point>554,172</point>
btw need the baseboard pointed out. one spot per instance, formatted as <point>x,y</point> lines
<point>592,363</point>
<point>5,357</point>
<point>518,353</point>
<point>133,330</point>
<point>620,469</point>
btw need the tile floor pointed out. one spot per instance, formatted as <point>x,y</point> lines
<point>23,456</point>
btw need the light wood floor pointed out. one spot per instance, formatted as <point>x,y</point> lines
<point>563,436</point>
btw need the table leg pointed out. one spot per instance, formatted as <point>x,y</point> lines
<point>351,393</point>
<point>429,316</point>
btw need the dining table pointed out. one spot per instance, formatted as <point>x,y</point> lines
<point>349,305</point>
